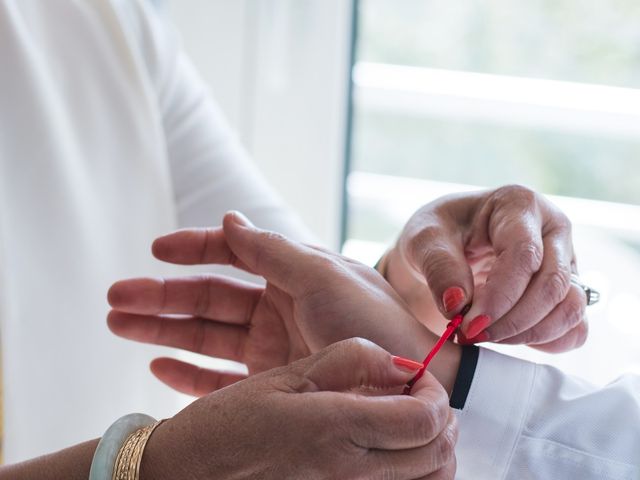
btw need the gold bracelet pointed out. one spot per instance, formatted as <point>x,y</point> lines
<point>127,466</point>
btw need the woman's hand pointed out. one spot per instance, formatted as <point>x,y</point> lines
<point>326,416</point>
<point>508,252</point>
<point>312,299</point>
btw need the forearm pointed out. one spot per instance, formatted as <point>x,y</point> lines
<point>73,463</point>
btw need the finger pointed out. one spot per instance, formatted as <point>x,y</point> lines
<point>196,246</point>
<point>356,364</point>
<point>547,289</point>
<point>420,461</point>
<point>574,338</point>
<point>396,422</point>
<point>198,335</point>
<point>448,472</point>
<point>381,421</point>
<point>563,318</point>
<point>439,255</point>
<point>190,379</point>
<point>282,262</point>
<point>516,237</point>
<point>209,296</point>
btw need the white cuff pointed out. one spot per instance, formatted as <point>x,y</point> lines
<point>492,418</point>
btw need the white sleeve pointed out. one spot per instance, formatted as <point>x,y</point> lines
<point>210,170</point>
<point>527,421</point>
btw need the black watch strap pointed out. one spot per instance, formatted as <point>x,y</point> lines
<point>467,370</point>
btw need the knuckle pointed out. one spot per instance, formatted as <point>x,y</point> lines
<point>358,345</point>
<point>199,337</point>
<point>506,327</point>
<point>423,240</point>
<point>556,284</point>
<point>582,333</point>
<point>453,428</point>
<point>448,472</point>
<point>435,262</point>
<point>535,336</point>
<point>274,236</point>
<point>561,221</point>
<point>573,307</point>
<point>429,420</point>
<point>528,256</point>
<point>269,240</point>
<point>446,445</point>
<point>424,426</point>
<point>516,193</point>
<point>238,346</point>
<point>333,263</point>
<point>388,471</point>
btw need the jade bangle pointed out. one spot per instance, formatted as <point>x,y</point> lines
<point>104,458</point>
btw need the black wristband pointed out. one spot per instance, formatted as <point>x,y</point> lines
<point>467,370</point>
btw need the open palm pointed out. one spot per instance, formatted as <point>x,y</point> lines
<point>312,298</point>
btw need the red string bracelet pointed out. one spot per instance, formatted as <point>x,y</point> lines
<point>451,328</point>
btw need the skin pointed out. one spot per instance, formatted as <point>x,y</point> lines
<point>312,299</point>
<point>337,413</point>
<point>509,250</point>
<point>511,253</point>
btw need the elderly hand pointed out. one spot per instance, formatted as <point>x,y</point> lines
<point>313,298</point>
<point>508,252</point>
<point>326,416</point>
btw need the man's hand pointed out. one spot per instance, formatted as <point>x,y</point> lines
<point>331,415</point>
<point>508,252</point>
<point>313,298</point>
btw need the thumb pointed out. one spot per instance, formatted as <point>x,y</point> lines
<point>355,363</point>
<point>279,260</point>
<point>439,256</point>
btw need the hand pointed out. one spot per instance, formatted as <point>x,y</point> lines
<point>312,299</point>
<point>509,253</point>
<point>314,419</point>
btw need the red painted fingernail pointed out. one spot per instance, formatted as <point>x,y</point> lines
<point>406,364</point>
<point>452,298</point>
<point>477,325</point>
<point>480,338</point>
<point>462,340</point>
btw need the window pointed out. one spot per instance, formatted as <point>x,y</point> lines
<point>451,96</point>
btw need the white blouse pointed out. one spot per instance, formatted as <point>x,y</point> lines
<point>108,139</point>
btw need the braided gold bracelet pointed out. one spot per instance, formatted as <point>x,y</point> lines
<point>127,466</point>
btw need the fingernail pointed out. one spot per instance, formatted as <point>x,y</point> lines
<point>480,338</point>
<point>240,219</point>
<point>406,364</point>
<point>452,298</point>
<point>477,325</point>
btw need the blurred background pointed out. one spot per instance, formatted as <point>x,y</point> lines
<point>360,112</point>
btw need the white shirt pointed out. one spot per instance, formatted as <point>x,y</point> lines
<point>526,421</point>
<point>107,139</point>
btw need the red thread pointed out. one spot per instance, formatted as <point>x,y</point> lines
<point>451,328</point>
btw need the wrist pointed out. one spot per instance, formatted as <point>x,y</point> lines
<point>413,289</point>
<point>446,364</point>
<point>416,341</point>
